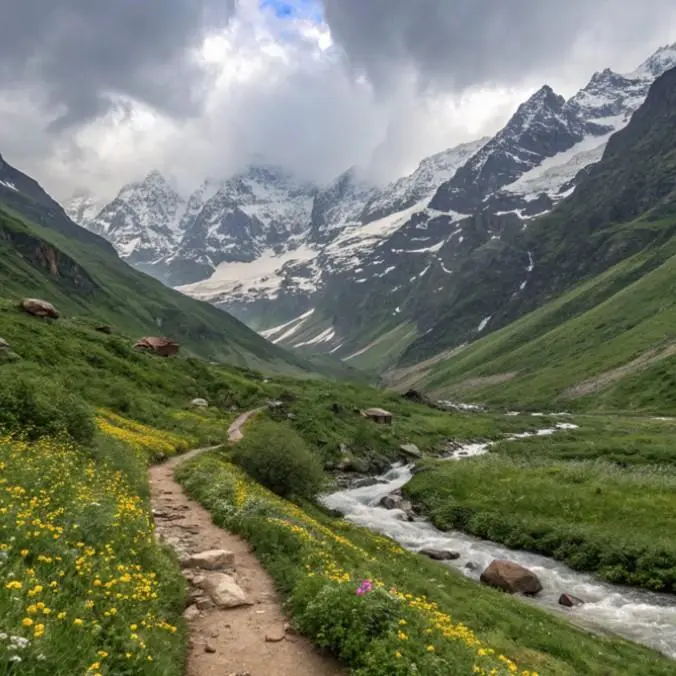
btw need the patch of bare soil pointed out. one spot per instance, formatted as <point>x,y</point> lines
<point>603,380</point>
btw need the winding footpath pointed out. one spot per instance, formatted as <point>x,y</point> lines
<point>249,640</point>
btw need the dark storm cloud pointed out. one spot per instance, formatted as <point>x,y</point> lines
<point>461,43</point>
<point>79,54</point>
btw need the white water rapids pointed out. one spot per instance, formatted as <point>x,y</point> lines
<point>637,615</point>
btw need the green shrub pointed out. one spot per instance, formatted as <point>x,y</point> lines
<point>42,407</point>
<point>278,458</point>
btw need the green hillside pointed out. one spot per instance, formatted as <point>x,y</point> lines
<point>609,343</point>
<point>86,279</point>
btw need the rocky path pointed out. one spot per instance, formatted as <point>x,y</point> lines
<point>237,626</point>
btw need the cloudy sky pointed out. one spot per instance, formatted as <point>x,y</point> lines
<point>95,93</point>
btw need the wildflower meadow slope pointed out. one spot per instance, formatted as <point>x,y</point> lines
<point>85,590</point>
<point>385,611</point>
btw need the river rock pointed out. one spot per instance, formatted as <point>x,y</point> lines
<point>224,591</point>
<point>214,559</point>
<point>570,601</point>
<point>440,554</point>
<point>511,577</point>
<point>391,501</point>
<point>411,450</point>
<point>365,483</point>
<point>472,565</point>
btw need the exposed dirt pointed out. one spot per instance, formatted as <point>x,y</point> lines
<point>246,641</point>
<point>603,380</point>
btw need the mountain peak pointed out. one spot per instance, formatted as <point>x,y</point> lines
<point>657,64</point>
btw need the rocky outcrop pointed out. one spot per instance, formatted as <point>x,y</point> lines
<point>511,578</point>
<point>39,308</point>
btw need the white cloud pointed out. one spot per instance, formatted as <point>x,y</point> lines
<point>280,88</point>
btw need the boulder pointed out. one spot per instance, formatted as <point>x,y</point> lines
<point>39,308</point>
<point>199,403</point>
<point>511,577</point>
<point>214,559</point>
<point>162,346</point>
<point>415,396</point>
<point>411,450</point>
<point>224,591</point>
<point>570,601</point>
<point>391,501</point>
<point>440,554</point>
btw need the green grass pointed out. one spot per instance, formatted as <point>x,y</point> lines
<point>87,280</point>
<point>319,562</point>
<point>326,415</point>
<point>626,441</point>
<point>593,516</point>
<point>602,325</point>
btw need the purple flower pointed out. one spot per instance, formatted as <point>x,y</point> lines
<point>365,587</point>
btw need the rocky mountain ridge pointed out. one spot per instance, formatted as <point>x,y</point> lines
<point>365,261</point>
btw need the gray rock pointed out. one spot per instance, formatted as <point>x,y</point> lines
<point>199,403</point>
<point>391,501</point>
<point>570,601</point>
<point>215,559</point>
<point>224,591</point>
<point>411,450</point>
<point>440,554</point>
<point>191,613</point>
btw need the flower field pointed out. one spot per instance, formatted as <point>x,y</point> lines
<point>85,588</point>
<point>338,595</point>
<point>152,444</point>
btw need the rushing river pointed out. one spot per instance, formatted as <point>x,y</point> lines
<point>638,615</point>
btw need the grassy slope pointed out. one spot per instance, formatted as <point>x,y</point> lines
<point>89,280</point>
<point>601,325</point>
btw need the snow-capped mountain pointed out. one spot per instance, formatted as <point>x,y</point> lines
<point>344,258</point>
<point>422,183</point>
<point>142,222</point>
<point>83,207</point>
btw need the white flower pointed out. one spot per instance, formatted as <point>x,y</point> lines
<point>3,636</point>
<point>15,658</point>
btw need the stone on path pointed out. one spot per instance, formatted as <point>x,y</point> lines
<point>275,636</point>
<point>440,554</point>
<point>224,591</point>
<point>511,577</point>
<point>191,613</point>
<point>214,559</point>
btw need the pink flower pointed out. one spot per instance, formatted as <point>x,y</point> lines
<point>365,587</point>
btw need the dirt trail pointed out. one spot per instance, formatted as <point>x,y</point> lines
<point>247,641</point>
